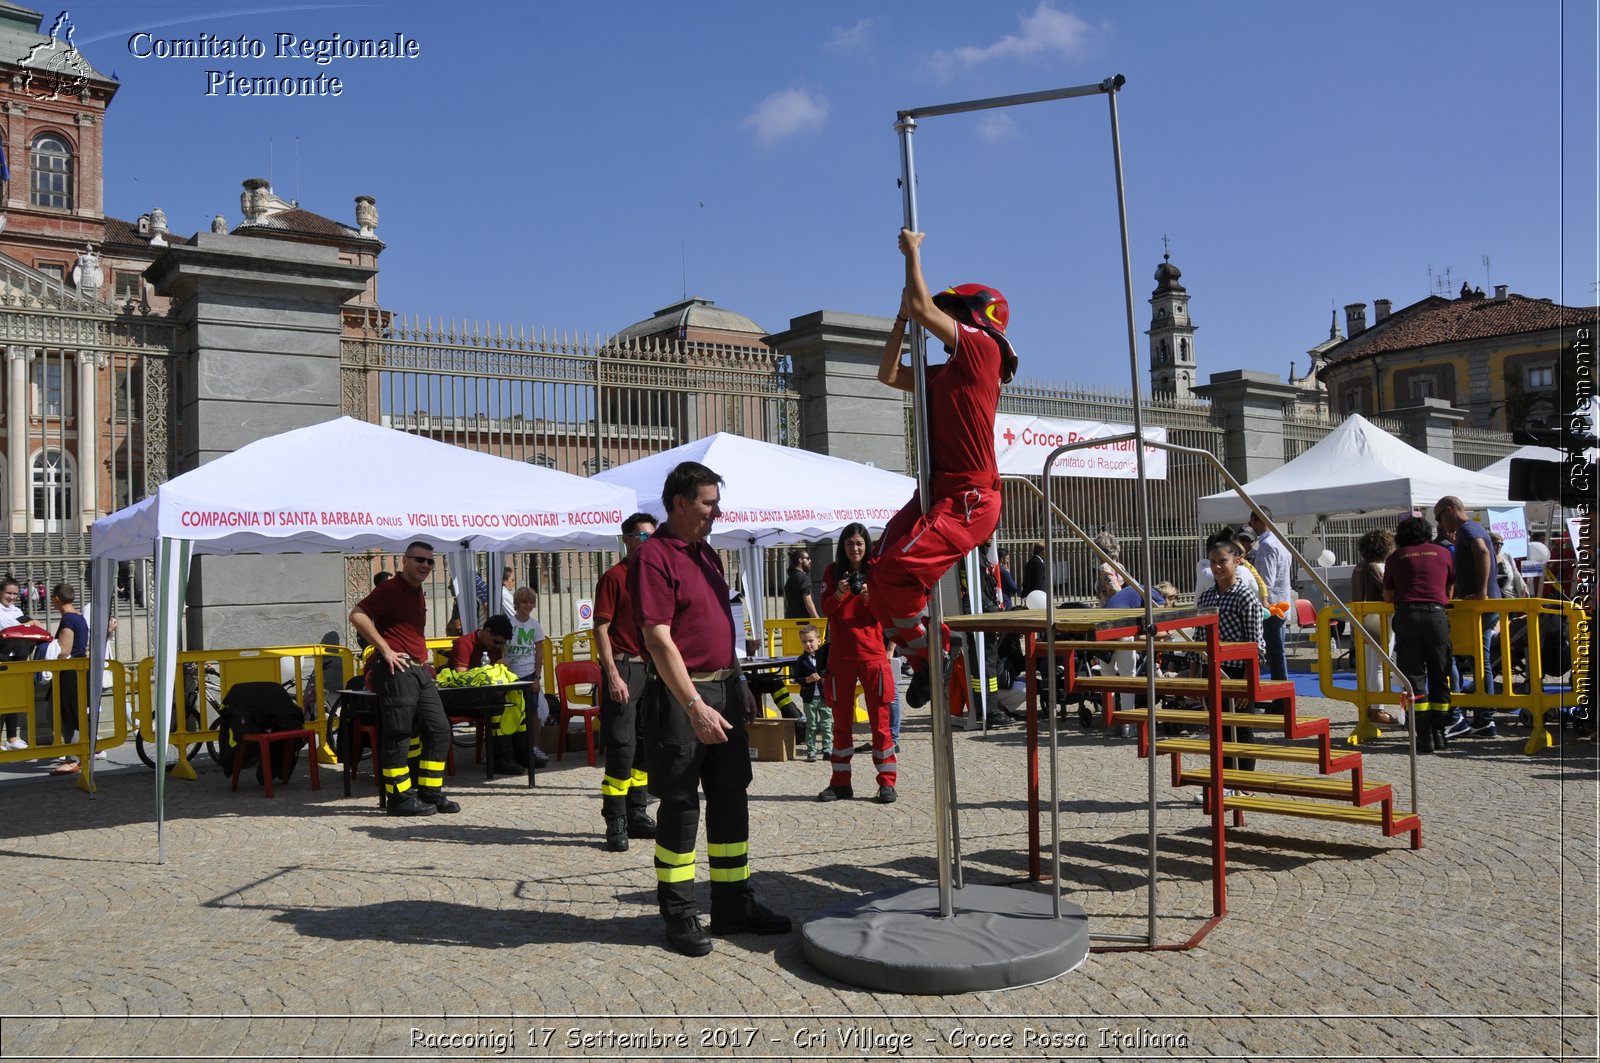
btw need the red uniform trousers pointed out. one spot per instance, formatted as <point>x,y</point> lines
<point>839,690</point>
<point>918,548</point>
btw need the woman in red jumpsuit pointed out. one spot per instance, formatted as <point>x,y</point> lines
<point>856,653</point>
<point>963,394</point>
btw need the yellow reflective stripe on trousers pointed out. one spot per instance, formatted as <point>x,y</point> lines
<point>613,787</point>
<point>397,780</point>
<point>729,861</point>
<point>638,780</point>
<point>430,773</point>
<point>674,867</point>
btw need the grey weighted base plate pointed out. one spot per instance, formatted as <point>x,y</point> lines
<point>997,938</point>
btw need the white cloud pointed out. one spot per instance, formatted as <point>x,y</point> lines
<point>785,114</point>
<point>851,39</point>
<point>995,127</point>
<point>1045,31</point>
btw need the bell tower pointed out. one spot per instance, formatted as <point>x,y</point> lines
<point>1171,332</point>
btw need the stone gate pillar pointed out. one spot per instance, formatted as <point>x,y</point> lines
<point>844,410</point>
<point>257,353</point>
<point>1250,405</point>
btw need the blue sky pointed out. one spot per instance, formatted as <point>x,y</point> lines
<point>574,167</point>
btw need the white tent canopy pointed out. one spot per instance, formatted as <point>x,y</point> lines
<point>281,495</point>
<point>1501,470</point>
<point>772,494</point>
<point>1357,468</point>
<point>290,493</point>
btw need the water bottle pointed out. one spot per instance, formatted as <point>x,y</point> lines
<point>483,662</point>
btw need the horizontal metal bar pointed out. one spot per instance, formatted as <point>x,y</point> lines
<point>1110,84</point>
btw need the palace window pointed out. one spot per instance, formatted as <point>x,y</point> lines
<point>50,177</point>
<point>50,380</point>
<point>52,486</point>
<point>1541,376</point>
<point>129,286</point>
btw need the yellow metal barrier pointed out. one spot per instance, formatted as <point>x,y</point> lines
<point>264,664</point>
<point>1467,621</point>
<point>1466,637</point>
<point>1363,699</point>
<point>17,684</point>
<point>783,636</point>
<point>783,640</point>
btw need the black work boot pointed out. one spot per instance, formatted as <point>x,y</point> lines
<point>743,914</point>
<point>687,935</point>
<point>616,834</point>
<point>836,793</point>
<point>407,804</point>
<point>1425,735</point>
<point>437,800</point>
<point>640,825</point>
<point>920,689</point>
<point>503,757</point>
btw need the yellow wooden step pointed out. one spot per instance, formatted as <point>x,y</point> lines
<point>1260,751</point>
<point>1333,788</point>
<point>1265,690</point>
<point>1261,721</point>
<point>1227,651</point>
<point>1285,806</point>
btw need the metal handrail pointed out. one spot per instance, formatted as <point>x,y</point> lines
<point>1072,526</point>
<point>1356,630</point>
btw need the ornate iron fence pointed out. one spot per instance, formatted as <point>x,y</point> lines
<point>576,404</point>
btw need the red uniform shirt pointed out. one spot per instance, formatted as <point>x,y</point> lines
<point>400,613</point>
<point>1420,573</point>
<point>613,606</point>
<point>467,652</point>
<point>963,395</point>
<point>680,584</point>
<point>853,633</point>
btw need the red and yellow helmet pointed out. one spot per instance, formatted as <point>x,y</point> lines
<point>982,307</point>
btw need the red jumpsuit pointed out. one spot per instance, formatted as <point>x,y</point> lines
<point>856,653</point>
<point>916,548</point>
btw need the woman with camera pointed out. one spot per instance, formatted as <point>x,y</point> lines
<point>855,653</point>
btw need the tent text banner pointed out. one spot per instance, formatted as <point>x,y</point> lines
<point>1022,443</point>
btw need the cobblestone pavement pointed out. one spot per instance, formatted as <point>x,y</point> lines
<point>311,926</point>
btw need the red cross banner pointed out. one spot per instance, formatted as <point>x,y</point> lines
<point>1022,443</point>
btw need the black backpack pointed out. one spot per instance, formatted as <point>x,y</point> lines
<point>256,708</point>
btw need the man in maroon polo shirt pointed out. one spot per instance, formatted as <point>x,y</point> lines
<point>695,707</point>
<point>620,647</point>
<point>392,619</point>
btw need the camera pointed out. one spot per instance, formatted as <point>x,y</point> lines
<point>856,581</point>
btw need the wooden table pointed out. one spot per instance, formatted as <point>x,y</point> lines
<point>458,701</point>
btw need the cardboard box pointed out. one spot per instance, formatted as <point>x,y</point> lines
<point>771,739</point>
<point>549,737</point>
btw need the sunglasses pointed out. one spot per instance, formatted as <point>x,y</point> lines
<point>420,560</point>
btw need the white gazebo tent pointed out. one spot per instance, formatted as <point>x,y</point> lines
<point>270,497</point>
<point>1356,468</point>
<point>772,494</point>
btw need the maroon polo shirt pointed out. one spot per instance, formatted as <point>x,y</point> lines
<point>614,606</point>
<point>400,613</point>
<point>467,652</point>
<point>1419,573</point>
<point>680,584</point>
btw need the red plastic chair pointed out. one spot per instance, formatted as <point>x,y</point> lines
<point>570,674</point>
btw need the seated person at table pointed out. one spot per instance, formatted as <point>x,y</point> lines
<point>470,651</point>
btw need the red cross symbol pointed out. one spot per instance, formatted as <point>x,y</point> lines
<point>1010,437</point>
